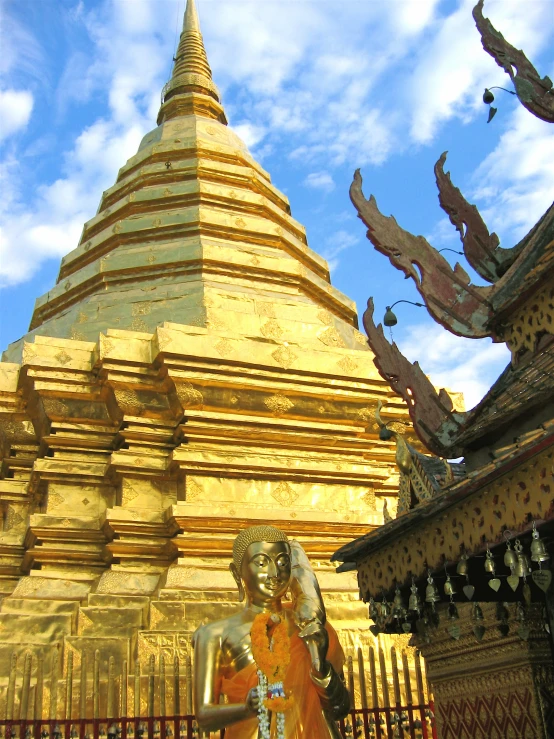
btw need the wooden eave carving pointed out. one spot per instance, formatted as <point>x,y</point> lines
<point>534,93</point>
<point>481,248</point>
<point>462,308</point>
<point>432,413</point>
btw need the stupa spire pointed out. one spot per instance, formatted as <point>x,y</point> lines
<point>191,55</point>
<point>192,75</point>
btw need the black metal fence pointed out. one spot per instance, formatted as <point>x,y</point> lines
<point>388,692</point>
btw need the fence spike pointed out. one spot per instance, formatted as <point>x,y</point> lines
<point>419,680</point>
<point>384,681</point>
<point>39,688</point>
<point>373,678</point>
<point>10,697</point>
<point>361,678</point>
<point>26,687</point>
<point>110,710</point>
<point>189,685</point>
<point>162,685</point>
<point>176,687</point>
<point>83,686</point>
<point>137,689</point>
<point>350,667</point>
<point>96,685</point>
<point>407,679</point>
<point>124,679</point>
<point>69,685</point>
<point>54,683</point>
<point>395,677</point>
<point>151,670</point>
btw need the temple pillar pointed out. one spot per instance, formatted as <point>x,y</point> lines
<point>497,686</point>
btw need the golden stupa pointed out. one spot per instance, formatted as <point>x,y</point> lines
<point>192,372</point>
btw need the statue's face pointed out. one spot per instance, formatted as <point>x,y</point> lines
<point>266,569</point>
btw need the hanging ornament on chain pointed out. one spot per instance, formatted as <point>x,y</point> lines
<point>510,560</point>
<point>523,630</point>
<point>373,613</point>
<point>449,590</point>
<point>502,614</point>
<point>490,567</point>
<point>478,618</point>
<point>431,591</point>
<point>541,577</point>
<point>463,569</point>
<point>374,616</point>
<point>414,601</point>
<point>522,568</point>
<point>384,610</point>
<point>399,612</point>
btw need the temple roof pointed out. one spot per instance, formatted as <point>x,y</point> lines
<point>451,523</point>
<point>521,389</point>
<point>193,232</point>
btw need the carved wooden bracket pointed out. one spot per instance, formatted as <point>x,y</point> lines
<point>534,93</point>
<point>461,307</point>
<point>481,248</point>
<point>432,413</point>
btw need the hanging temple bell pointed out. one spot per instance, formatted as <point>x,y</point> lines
<point>538,550</point>
<point>522,568</point>
<point>431,591</point>
<point>510,557</point>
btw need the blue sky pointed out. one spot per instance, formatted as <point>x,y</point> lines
<point>316,88</point>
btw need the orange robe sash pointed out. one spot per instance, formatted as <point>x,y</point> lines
<point>305,719</point>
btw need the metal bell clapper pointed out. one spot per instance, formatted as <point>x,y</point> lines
<point>538,550</point>
<point>522,568</point>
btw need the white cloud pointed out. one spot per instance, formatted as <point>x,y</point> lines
<point>52,226</point>
<point>452,69</point>
<point>516,180</point>
<point>15,111</point>
<point>413,17</point>
<point>297,79</point>
<point>320,181</point>
<point>335,244</point>
<point>455,363</point>
<point>249,133</point>
<point>128,67</point>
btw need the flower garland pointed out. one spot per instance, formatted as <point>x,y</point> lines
<point>272,657</point>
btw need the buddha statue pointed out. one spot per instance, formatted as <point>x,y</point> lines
<point>273,670</point>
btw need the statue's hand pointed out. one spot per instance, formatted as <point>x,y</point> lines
<point>252,701</point>
<point>315,637</point>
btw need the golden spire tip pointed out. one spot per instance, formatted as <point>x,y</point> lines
<point>191,22</point>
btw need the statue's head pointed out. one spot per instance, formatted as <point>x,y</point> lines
<point>261,563</point>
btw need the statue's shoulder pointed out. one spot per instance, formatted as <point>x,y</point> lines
<point>215,630</point>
